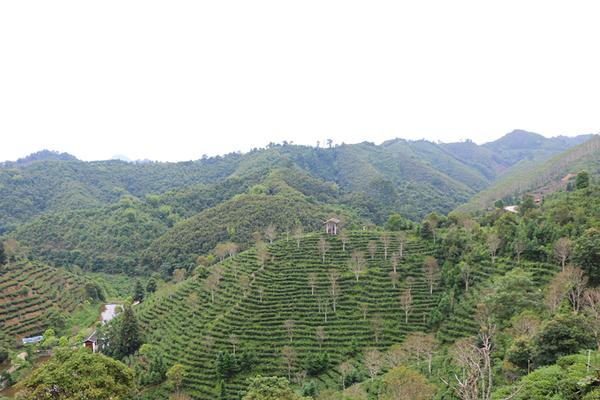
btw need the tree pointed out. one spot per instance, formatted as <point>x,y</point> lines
<point>577,284</point>
<point>78,374</point>
<point>364,308</point>
<point>465,274</point>
<point>394,223</point>
<point>232,248</point>
<point>394,261</point>
<point>271,233</point>
<point>510,294</point>
<point>592,310</point>
<point>519,247</point>
<point>377,325</point>
<point>430,225</point>
<point>432,271</point>
<point>312,282</point>
<point>406,301</point>
<point>385,239</point>
<point>320,335</point>
<point>564,334</point>
<point>192,301</point>
<point>582,181</point>
<point>562,250</point>
<point>289,327</point>
<point>289,358</point>
<point>373,361</point>
<point>138,292</point>
<point>129,336</point>
<point>334,290</point>
<point>420,346</point>
<point>221,251</point>
<point>270,388</point>
<point>473,357</point>
<point>406,384</point>
<point>401,238</point>
<point>244,282</point>
<point>493,244</point>
<point>151,285</point>
<point>297,233</point>
<point>357,263</point>
<point>234,341</point>
<point>178,275</point>
<point>2,254</point>
<point>212,282</point>
<point>344,238</point>
<point>323,247</point>
<point>262,254</point>
<point>372,246</point>
<point>345,369</point>
<point>175,376</point>
<point>394,277</point>
<point>587,254</point>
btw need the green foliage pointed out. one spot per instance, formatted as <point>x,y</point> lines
<point>563,335</point>
<point>395,222</point>
<point>248,213</point>
<point>512,293</point>
<point>3,354</point>
<point>587,253</point>
<point>570,378</point>
<point>583,180</point>
<point>228,364</point>
<point>78,375</point>
<point>317,363</point>
<point>138,292</point>
<point>150,368</point>
<point>404,383</point>
<point>120,337</point>
<point>3,257</point>
<point>270,388</point>
<point>151,285</point>
<point>175,375</point>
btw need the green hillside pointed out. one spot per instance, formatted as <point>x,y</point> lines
<point>235,220</point>
<point>539,177</point>
<point>411,177</point>
<point>34,296</point>
<point>253,304</point>
<point>108,238</point>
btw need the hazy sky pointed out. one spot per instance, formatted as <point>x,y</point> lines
<point>172,80</point>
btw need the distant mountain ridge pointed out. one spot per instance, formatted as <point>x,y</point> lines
<point>69,211</point>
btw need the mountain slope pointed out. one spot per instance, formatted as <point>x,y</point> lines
<point>271,202</point>
<point>34,296</point>
<point>540,177</point>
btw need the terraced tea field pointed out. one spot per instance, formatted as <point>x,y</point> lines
<point>29,290</point>
<point>252,305</point>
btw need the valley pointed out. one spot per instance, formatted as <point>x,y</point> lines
<point>455,271</point>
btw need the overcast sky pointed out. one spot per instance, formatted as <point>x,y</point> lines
<point>173,80</point>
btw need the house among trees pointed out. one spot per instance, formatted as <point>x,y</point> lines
<point>91,342</point>
<point>332,226</point>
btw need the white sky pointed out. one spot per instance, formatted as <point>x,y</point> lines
<point>172,80</point>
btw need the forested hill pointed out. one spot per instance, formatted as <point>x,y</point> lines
<point>540,177</point>
<point>411,177</point>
